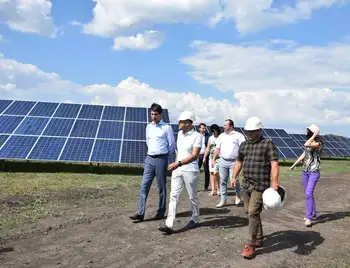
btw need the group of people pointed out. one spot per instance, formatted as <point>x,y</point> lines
<point>224,156</point>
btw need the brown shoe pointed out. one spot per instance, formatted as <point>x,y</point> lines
<point>248,252</point>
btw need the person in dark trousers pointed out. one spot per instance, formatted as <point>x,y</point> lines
<point>259,159</point>
<point>160,142</point>
<point>205,164</point>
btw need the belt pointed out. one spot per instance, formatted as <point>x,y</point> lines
<point>157,155</point>
<point>229,159</point>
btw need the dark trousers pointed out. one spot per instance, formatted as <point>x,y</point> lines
<point>154,167</point>
<point>253,205</point>
<point>206,170</point>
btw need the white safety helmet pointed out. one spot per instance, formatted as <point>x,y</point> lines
<point>187,115</point>
<point>253,123</point>
<point>313,128</point>
<point>274,199</point>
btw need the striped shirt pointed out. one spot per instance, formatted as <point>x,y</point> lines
<point>312,159</point>
<point>256,160</point>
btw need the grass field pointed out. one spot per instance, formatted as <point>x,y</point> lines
<point>46,209</point>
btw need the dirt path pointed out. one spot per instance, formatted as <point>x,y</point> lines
<point>105,237</point>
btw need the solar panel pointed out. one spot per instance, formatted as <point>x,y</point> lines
<point>47,148</point>
<point>135,131</point>
<point>19,108</point>
<point>17,147</point>
<point>4,104</point>
<point>106,151</point>
<point>44,109</point>
<point>136,114</point>
<point>77,150</point>
<point>134,152</point>
<point>96,133</point>
<point>32,126</point>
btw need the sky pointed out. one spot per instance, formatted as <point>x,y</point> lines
<point>285,61</point>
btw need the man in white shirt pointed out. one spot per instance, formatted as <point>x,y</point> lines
<point>161,142</point>
<point>227,147</point>
<point>185,172</point>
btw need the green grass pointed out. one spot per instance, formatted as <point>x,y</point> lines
<point>28,197</point>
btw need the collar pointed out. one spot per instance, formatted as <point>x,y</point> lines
<point>161,122</point>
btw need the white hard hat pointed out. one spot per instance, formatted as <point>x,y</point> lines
<point>313,128</point>
<point>253,123</point>
<point>187,115</point>
<point>274,199</point>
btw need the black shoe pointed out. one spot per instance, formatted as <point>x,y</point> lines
<point>158,217</point>
<point>137,217</point>
<point>165,229</point>
<point>192,224</point>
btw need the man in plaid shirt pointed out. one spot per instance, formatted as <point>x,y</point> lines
<point>258,157</point>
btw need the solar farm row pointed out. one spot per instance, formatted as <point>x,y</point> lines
<point>96,133</point>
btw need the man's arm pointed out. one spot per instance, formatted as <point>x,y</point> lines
<point>238,165</point>
<point>217,149</point>
<point>275,174</point>
<point>273,158</point>
<point>171,139</point>
<point>147,135</point>
<point>195,153</point>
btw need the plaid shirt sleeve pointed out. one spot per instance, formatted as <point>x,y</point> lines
<point>240,156</point>
<point>272,153</point>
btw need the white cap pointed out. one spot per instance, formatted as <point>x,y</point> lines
<point>253,123</point>
<point>313,128</point>
<point>187,115</point>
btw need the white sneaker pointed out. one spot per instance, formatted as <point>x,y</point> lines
<point>307,223</point>
<point>221,204</point>
<point>238,200</point>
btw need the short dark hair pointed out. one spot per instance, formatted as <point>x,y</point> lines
<point>215,127</point>
<point>230,122</point>
<point>202,124</point>
<point>155,107</point>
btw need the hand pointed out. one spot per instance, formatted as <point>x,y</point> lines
<point>275,186</point>
<point>173,166</point>
<point>212,164</point>
<point>204,160</point>
<point>233,182</point>
<point>291,168</point>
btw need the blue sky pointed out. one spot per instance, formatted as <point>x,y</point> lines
<point>242,58</point>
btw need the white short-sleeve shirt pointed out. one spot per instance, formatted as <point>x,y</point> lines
<point>185,144</point>
<point>229,143</point>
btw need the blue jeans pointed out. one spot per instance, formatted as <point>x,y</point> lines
<point>154,166</point>
<point>226,172</point>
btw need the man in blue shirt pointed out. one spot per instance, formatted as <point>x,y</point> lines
<point>160,142</point>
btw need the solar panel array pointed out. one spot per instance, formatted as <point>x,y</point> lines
<point>333,146</point>
<point>73,132</point>
<point>106,134</point>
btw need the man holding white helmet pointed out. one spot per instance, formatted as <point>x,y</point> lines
<point>258,157</point>
<point>185,171</point>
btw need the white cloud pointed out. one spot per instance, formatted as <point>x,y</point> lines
<point>287,108</point>
<point>143,41</point>
<point>112,18</point>
<point>255,15</point>
<point>251,67</point>
<point>120,17</point>
<point>29,16</point>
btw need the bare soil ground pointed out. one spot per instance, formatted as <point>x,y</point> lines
<point>91,228</point>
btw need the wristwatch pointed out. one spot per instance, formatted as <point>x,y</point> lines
<point>180,164</point>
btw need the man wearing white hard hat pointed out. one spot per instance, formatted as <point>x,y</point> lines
<point>185,171</point>
<point>258,157</point>
<point>311,158</point>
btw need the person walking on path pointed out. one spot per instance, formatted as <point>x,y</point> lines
<point>259,158</point>
<point>227,146</point>
<point>311,158</point>
<point>185,172</point>
<point>160,141</point>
